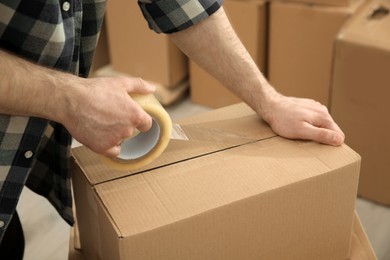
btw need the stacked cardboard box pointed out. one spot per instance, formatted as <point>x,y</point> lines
<point>360,94</point>
<point>301,44</point>
<point>166,96</point>
<point>248,18</point>
<point>235,190</point>
<point>136,50</point>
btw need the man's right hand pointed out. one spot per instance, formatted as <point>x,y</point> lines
<point>102,114</point>
<point>98,112</point>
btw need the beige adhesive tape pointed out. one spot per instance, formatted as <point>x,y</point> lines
<point>144,147</point>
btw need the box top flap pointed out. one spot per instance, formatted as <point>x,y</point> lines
<point>369,26</point>
<point>179,191</point>
<point>208,132</point>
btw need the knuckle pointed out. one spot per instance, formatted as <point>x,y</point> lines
<point>324,109</point>
<point>122,79</point>
<point>323,135</point>
<point>140,82</point>
<point>138,118</point>
<point>127,132</point>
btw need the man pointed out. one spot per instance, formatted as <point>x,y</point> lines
<point>46,48</point>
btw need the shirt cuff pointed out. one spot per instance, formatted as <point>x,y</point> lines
<point>169,16</point>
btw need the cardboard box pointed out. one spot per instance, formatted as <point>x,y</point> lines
<point>361,248</point>
<point>75,252</point>
<point>248,19</point>
<point>235,190</point>
<point>138,51</point>
<point>166,96</point>
<point>360,94</point>
<point>301,47</point>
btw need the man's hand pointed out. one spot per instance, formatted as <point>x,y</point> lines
<point>98,112</point>
<point>103,114</point>
<point>301,118</point>
<point>228,61</point>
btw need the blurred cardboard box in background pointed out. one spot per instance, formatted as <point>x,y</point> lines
<point>301,47</point>
<point>101,56</point>
<point>138,51</point>
<point>360,94</point>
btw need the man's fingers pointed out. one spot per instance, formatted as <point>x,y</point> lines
<point>142,123</point>
<point>139,86</point>
<point>323,135</point>
<point>145,123</point>
<point>113,151</point>
<point>328,123</point>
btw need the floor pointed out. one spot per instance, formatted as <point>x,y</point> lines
<point>47,235</point>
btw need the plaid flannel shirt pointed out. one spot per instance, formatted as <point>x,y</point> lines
<point>61,34</point>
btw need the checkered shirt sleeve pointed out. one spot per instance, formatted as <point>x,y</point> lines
<point>169,16</point>
<point>35,152</point>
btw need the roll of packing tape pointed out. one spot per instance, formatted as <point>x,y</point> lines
<point>144,147</point>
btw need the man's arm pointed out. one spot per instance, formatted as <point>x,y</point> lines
<point>214,45</point>
<point>98,112</point>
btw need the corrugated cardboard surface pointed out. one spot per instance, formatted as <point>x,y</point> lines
<point>360,95</point>
<point>301,47</point>
<point>248,19</point>
<point>269,198</point>
<point>361,248</point>
<point>136,50</point>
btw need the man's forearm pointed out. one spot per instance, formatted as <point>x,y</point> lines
<point>28,89</point>
<point>98,112</point>
<point>214,45</point>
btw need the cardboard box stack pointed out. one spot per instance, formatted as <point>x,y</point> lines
<point>136,50</point>
<point>248,18</point>
<point>235,190</point>
<point>301,40</point>
<point>360,94</point>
